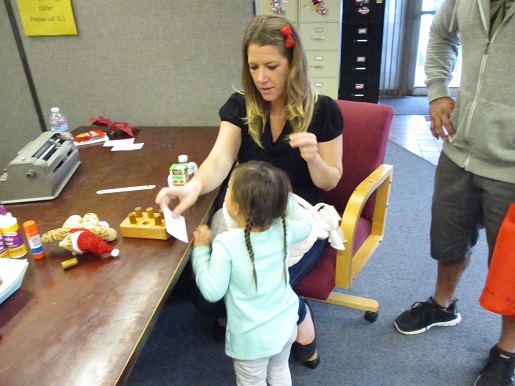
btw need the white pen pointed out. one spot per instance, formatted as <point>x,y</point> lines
<point>127,189</point>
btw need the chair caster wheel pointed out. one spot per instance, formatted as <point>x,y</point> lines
<point>371,316</point>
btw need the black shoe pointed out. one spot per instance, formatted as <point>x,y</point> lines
<point>307,354</point>
<point>498,370</point>
<point>424,315</point>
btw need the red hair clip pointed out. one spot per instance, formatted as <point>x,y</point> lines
<point>286,31</point>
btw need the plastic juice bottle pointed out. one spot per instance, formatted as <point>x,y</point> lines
<point>11,234</point>
<point>179,172</point>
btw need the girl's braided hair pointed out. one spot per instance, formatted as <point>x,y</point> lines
<point>261,191</point>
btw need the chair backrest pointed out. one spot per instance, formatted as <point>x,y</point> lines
<point>365,136</point>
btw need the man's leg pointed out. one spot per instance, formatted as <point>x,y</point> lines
<point>455,222</point>
<point>507,339</point>
<point>500,365</point>
<point>448,277</point>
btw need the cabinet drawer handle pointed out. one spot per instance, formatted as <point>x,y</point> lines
<point>359,68</point>
<point>358,95</point>
<point>361,40</point>
<point>319,38</point>
<point>318,67</point>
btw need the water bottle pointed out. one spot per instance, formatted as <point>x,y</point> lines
<point>58,121</point>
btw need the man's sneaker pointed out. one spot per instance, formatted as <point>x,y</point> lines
<point>424,315</point>
<point>498,370</point>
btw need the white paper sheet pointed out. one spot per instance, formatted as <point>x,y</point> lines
<point>119,142</point>
<point>123,144</point>
<point>134,146</point>
<point>175,226</point>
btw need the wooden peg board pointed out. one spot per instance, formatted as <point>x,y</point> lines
<point>142,225</point>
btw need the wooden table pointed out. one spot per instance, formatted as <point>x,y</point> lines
<point>86,325</point>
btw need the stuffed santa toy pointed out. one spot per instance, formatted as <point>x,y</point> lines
<point>79,241</point>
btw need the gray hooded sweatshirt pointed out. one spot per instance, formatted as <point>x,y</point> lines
<point>484,114</point>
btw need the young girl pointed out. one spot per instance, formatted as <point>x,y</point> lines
<point>248,267</point>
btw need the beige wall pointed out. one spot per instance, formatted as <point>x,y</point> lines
<point>162,62</point>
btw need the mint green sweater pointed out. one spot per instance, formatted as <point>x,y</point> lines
<point>484,114</point>
<point>259,320</point>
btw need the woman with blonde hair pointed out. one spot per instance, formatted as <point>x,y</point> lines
<point>280,119</point>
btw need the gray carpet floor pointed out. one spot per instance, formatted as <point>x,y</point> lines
<point>354,352</point>
<point>407,105</point>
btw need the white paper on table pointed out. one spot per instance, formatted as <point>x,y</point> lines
<point>119,142</point>
<point>132,146</point>
<point>175,226</point>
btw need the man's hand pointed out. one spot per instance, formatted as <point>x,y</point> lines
<point>440,111</point>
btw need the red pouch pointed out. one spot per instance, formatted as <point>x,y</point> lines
<point>499,292</point>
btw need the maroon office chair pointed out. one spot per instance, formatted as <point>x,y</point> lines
<point>361,197</point>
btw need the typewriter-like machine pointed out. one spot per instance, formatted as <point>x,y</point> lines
<point>40,170</point>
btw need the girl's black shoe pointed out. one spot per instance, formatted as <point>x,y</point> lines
<point>307,354</point>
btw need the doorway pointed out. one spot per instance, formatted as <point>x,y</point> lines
<point>429,8</point>
<point>405,38</point>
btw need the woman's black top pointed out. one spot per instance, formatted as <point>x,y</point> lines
<point>327,124</point>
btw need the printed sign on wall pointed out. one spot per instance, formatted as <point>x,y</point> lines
<point>47,17</point>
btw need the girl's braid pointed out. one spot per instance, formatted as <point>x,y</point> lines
<point>285,250</point>
<point>248,227</point>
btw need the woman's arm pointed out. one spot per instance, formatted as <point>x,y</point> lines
<point>324,159</point>
<point>211,173</point>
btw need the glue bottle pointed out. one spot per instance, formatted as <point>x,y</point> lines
<point>36,246</point>
<point>11,234</point>
<point>3,248</point>
<point>58,121</point>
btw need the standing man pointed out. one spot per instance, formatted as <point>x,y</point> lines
<point>475,177</point>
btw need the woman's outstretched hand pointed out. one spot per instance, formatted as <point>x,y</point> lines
<point>186,195</point>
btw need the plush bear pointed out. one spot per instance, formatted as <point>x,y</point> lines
<point>90,222</point>
<point>81,240</point>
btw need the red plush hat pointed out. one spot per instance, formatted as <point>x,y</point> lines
<point>86,241</point>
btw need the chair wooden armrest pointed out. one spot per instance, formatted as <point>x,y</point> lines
<point>349,264</point>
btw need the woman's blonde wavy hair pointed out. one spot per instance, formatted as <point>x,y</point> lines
<point>265,30</point>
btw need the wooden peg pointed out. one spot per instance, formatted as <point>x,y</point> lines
<point>157,219</point>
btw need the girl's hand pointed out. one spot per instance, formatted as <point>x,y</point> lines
<point>307,144</point>
<point>202,236</point>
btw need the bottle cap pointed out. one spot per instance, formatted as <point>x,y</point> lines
<point>54,109</point>
<point>183,158</point>
<point>30,226</point>
<point>3,211</point>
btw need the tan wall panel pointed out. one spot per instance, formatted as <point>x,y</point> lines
<point>164,62</point>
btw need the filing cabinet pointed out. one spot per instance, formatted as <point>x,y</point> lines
<point>364,11</point>
<point>321,36</point>
<point>361,46</point>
